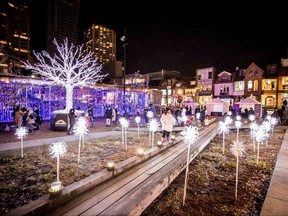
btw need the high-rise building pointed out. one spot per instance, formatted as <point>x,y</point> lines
<point>102,42</point>
<point>14,33</point>
<point>62,22</point>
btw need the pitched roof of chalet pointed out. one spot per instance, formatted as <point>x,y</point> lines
<point>251,66</point>
<point>223,73</point>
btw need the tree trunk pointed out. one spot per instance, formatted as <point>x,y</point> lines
<point>69,97</point>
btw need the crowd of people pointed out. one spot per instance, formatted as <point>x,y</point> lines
<point>27,117</point>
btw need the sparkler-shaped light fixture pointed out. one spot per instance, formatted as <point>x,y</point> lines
<point>223,128</point>
<point>190,136</point>
<point>153,126</point>
<point>21,133</point>
<point>138,120</point>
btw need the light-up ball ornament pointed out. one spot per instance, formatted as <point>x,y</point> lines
<point>150,114</point>
<point>58,149</point>
<point>238,124</point>
<point>198,115</point>
<point>252,118</point>
<point>21,132</point>
<point>153,125</point>
<point>124,123</point>
<point>238,117</point>
<point>137,119</point>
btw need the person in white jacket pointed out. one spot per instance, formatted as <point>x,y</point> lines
<point>168,121</point>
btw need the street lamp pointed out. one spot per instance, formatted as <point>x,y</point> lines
<point>123,39</point>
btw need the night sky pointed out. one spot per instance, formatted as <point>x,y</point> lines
<point>183,37</point>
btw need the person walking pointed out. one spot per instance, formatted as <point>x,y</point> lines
<point>89,114</point>
<point>114,115</point>
<point>168,121</point>
<point>31,116</point>
<point>38,121</point>
<point>18,116</point>
<point>108,116</point>
<point>72,119</point>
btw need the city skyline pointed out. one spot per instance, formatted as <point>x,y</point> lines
<point>186,41</point>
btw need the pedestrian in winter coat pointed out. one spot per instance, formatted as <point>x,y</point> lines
<point>31,116</point>
<point>108,116</point>
<point>167,120</point>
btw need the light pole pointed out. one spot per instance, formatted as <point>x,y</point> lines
<point>123,38</point>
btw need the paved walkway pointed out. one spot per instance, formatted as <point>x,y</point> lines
<point>276,202</point>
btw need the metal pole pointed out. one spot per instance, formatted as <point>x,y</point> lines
<point>124,72</point>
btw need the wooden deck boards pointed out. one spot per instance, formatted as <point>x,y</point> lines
<point>132,191</point>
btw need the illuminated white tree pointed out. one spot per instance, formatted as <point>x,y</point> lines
<point>237,150</point>
<point>58,149</point>
<point>190,136</point>
<point>21,133</point>
<point>71,66</point>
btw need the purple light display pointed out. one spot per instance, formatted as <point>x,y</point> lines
<point>28,92</point>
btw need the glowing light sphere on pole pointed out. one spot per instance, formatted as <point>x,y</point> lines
<point>153,125</point>
<point>238,124</point>
<point>21,132</point>
<point>228,120</point>
<point>137,119</point>
<point>80,127</point>
<point>252,118</point>
<point>124,123</point>
<point>229,113</point>
<point>150,114</point>
<point>58,149</point>
<point>238,118</point>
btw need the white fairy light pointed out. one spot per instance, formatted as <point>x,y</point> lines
<point>266,126</point>
<point>137,119</point>
<point>150,114</point>
<point>153,125</point>
<point>273,121</point>
<point>252,118</point>
<point>80,127</point>
<point>253,127</point>
<point>21,132</point>
<point>124,123</point>
<point>190,136</point>
<point>58,149</point>
<point>260,134</point>
<point>237,149</point>
<point>228,120</point>
<point>238,117</point>
<point>222,128</point>
<point>238,124</point>
<point>121,119</point>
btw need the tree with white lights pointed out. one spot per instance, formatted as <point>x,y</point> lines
<point>71,66</point>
